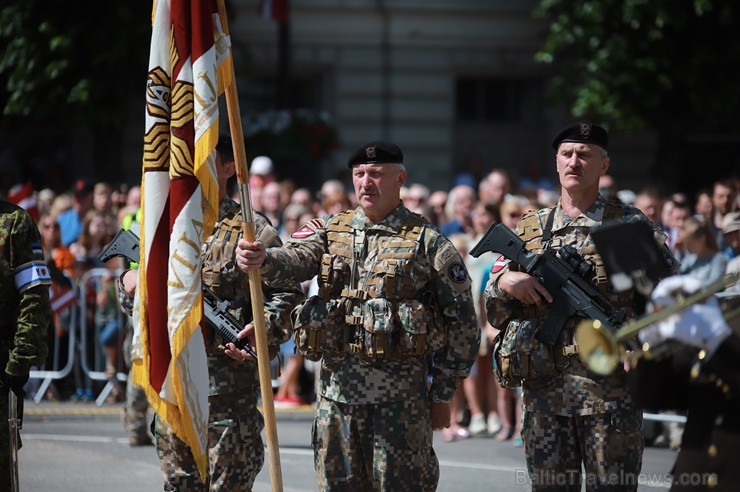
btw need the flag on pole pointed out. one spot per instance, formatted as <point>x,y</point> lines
<point>187,73</point>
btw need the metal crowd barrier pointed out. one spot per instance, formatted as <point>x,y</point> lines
<point>82,343</point>
<point>57,370</point>
<point>94,364</point>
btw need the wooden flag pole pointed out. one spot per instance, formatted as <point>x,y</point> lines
<point>255,282</point>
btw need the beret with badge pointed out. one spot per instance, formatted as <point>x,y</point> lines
<point>377,152</point>
<point>582,132</point>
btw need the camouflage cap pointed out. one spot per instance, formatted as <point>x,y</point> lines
<point>582,132</point>
<point>377,152</point>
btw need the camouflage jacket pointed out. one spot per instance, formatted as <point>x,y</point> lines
<point>430,264</point>
<point>228,282</point>
<point>576,390</point>
<point>25,312</point>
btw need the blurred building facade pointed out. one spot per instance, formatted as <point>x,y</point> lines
<point>454,82</point>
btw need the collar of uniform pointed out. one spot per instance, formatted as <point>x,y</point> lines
<point>392,222</point>
<point>225,206</point>
<point>591,218</point>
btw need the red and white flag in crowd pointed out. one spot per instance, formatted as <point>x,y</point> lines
<point>23,196</point>
<point>179,200</point>
<point>61,297</point>
<point>274,9</point>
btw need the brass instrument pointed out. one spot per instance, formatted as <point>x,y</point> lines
<point>601,350</point>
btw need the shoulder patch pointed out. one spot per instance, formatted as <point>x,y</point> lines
<point>457,272</point>
<point>445,255</point>
<point>308,229</point>
<point>499,264</point>
<point>303,232</point>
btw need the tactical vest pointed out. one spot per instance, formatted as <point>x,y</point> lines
<point>531,233</point>
<point>518,354</point>
<point>220,272</point>
<point>381,316</point>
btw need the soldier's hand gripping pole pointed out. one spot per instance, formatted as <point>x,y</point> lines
<point>255,282</point>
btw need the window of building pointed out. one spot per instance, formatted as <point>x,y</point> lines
<point>498,100</point>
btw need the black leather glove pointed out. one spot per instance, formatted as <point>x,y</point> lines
<point>16,384</point>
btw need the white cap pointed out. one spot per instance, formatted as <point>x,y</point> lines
<point>261,165</point>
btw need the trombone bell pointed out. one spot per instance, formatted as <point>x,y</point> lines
<point>597,347</point>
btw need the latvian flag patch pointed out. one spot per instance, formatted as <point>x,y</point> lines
<point>500,263</point>
<point>308,229</point>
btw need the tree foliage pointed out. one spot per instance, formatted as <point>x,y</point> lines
<point>72,62</point>
<point>659,64</point>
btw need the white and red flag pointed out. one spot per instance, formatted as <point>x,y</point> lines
<point>179,200</point>
<point>61,297</point>
<point>24,196</point>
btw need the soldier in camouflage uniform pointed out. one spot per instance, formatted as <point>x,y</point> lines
<point>392,289</point>
<point>136,406</point>
<point>572,416</point>
<point>25,313</point>
<point>235,447</point>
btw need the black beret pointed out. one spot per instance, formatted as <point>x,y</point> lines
<point>224,147</point>
<point>377,152</point>
<point>582,132</point>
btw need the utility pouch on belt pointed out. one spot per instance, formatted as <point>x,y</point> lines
<point>318,327</point>
<point>332,275</point>
<point>394,330</point>
<point>378,325</point>
<point>519,356</point>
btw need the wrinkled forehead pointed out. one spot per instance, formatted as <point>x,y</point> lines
<point>376,168</point>
<point>579,147</point>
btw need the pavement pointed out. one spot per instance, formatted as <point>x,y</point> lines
<point>68,409</point>
<point>82,447</point>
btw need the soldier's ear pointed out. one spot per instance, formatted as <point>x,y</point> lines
<point>402,175</point>
<point>229,169</point>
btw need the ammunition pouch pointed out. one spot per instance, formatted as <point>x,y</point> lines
<point>394,330</point>
<point>378,324</point>
<point>519,356</point>
<point>333,275</point>
<point>318,324</point>
<point>386,329</point>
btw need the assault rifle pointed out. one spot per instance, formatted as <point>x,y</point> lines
<point>563,275</point>
<point>126,244</point>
